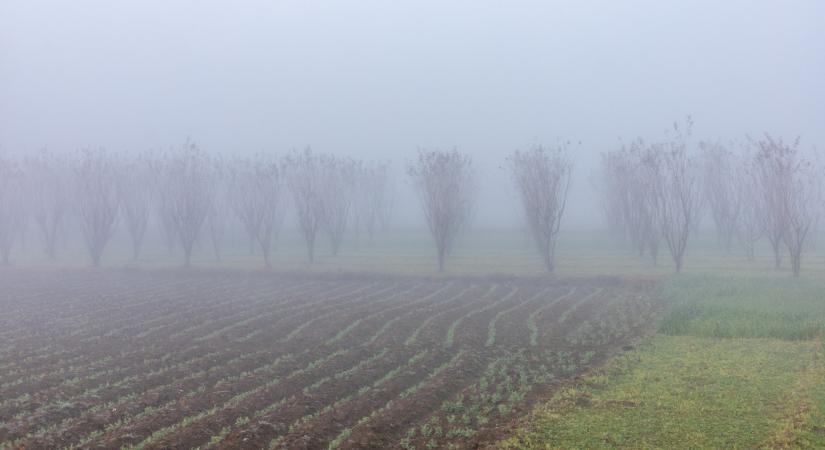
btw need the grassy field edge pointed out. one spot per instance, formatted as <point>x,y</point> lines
<point>737,363</point>
<point>690,392</point>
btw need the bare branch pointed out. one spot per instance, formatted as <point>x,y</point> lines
<point>134,182</point>
<point>189,191</point>
<point>96,176</point>
<point>257,196</point>
<point>444,181</point>
<point>542,178</point>
<point>304,179</point>
<point>49,187</point>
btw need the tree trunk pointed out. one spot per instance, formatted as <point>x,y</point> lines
<point>311,251</point>
<point>267,251</point>
<point>749,252</point>
<point>777,253</point>
<point>549,258</point>
<point>796,263</point>
<point>51,249</point>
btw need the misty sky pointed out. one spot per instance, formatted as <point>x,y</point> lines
<point>381,78</point>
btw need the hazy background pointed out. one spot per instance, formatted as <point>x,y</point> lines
<point>378,79</point>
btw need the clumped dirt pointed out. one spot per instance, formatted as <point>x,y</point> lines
<point>214,359</point>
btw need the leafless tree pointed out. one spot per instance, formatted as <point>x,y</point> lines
<point>646,196</point>
<point>134,189</point>
<point>631,175</point>
<point>96,176</point>
<point>305,181</point>
<point>804,212</point>
<point>189,191</point>
<point>792,195</point>
<point>719,166</point>
<point>49,186</point>
<point>373,197</point>
<point>386,206</point>
<point>679,193</point>
<point>257,187</point>
<point>611,184</point>
<point>750,224</point>
<point>162,203</point>
<point>445,185</point>
<point>542,178</point>
<point>12,206</point>
<point>217,220</point>
<point>338,191</point>
<point>774,162</point>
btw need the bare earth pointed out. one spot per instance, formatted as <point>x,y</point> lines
<point>222,359</point>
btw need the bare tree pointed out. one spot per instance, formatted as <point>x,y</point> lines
<point>679,193</point>
<point>189,191</point>
<point>611,184</point>
<point>98,202</point>
<point>646,196</point>
<point>338,190</point>
<point>304,179</point>
<point>257,187</point>
<point>385,207</point>
<point>542,178</point>
<point>445,185</point>
<point>134,189</point>
<point>631,175</point>
<point>804,212</point>
<point>218,217</point>
<point>162,203</point>
<point>774,160</point>
<point>49,186</point>
<point>12,206</point>
<point>750,224</point>
<point>721,190</point>
<point>241,186</point>
<point>792,194</point>
<point>373,197</point>
<point>360,201</point>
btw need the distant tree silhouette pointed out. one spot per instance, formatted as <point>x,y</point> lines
<point>542,178</point>
<point>98,202</point>
<point>445,185</point>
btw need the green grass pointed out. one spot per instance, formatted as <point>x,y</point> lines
<point>713,306</point>
<point>810,432</point>
<point>738,363</point>
<point>691,392</point>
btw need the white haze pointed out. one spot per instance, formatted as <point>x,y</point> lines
<point>377,79</point>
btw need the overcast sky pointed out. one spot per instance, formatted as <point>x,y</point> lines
<point>381,78</point>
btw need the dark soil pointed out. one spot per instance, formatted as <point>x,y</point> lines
<point>107,358</point>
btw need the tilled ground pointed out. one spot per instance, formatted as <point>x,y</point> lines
<point>185,359</point>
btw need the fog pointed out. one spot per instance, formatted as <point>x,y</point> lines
<point>409,225</point>
<point>381,79</point>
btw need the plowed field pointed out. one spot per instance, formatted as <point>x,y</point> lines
<point>176,359</point>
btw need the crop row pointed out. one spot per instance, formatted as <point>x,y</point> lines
<point>266,363</point>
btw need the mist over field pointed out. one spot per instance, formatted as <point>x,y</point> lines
<point>378,80</point>
<point>412,224</point>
